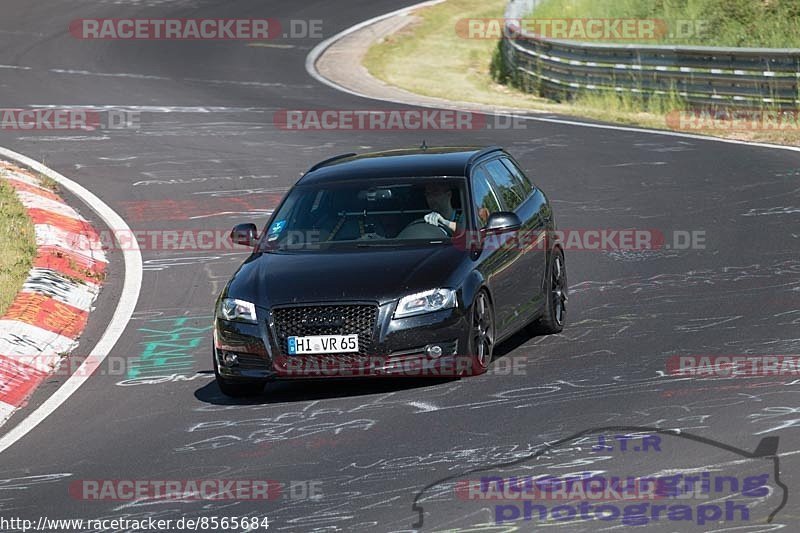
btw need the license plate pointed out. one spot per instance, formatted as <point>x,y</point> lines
<point>323,344</point>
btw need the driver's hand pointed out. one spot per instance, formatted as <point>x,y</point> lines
<point>435,219</point>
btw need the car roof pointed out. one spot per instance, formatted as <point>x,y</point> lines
<point>407,163</point>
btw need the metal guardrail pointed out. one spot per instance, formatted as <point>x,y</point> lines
<point>558,69</point>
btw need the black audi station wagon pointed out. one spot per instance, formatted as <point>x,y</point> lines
<point>396,263</point>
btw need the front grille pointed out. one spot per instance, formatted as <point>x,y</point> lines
<point>304,321</point>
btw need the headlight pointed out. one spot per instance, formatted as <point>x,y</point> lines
<point>232,309</point>
<point>425,302</point>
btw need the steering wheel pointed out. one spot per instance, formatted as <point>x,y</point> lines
<point>420,221</point>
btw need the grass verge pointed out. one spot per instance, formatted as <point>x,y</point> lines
<point>18,245</point>
<point>734,23</point>
<point>429,58</point>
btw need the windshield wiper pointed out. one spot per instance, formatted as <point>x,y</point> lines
<point>382,244</point>
<point>396,244</point>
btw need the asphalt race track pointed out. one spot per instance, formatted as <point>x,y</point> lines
<point>379,455</point>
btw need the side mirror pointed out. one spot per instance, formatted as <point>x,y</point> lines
<point>244,234</point>
<point>502,221</point>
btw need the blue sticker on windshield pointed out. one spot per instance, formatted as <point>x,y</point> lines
<point>278,226</point>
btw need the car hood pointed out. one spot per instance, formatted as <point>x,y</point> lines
<point>374,274</point>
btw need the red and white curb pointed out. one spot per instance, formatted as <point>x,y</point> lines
<point>48,315</point>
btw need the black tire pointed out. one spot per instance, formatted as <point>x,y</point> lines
<point>482,334</point>
<point>555,309</point>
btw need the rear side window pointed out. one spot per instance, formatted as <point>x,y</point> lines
<point>519,176</point>
<point>508,188</point>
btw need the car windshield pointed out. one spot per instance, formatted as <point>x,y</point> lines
<point>395,212</point>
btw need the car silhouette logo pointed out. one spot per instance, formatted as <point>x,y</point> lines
<point>766,450</point>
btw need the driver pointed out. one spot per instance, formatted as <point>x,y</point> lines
<point>438,196</point>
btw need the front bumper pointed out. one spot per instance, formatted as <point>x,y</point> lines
<point>397,348</point>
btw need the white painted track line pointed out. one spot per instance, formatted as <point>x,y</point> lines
<point>122,314</point>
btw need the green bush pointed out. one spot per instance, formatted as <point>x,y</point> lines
<point>738,23</point>
<point>499,68</point>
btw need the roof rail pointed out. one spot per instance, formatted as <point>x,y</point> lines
<point>330,160</point>
<point>480,153</point>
